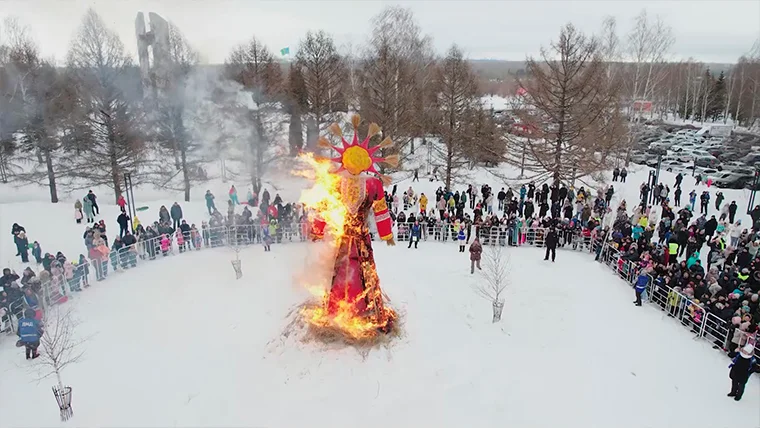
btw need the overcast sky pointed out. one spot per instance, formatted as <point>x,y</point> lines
<point>710,31</point>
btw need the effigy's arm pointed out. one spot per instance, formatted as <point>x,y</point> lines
<point>383,221</point>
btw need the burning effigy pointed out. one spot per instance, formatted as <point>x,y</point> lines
<point>347,188</point>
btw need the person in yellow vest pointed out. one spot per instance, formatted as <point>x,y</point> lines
<point>672,252</point>
<point>423,203</point>
<point>135,224</point>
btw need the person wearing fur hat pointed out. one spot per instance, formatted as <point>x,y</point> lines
<point>742,366</point>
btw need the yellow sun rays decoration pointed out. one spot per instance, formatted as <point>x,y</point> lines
<point>356,157</point>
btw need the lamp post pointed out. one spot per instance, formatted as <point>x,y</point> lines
<point>129,190</point>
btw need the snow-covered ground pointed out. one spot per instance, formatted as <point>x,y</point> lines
<point>182,343</point>
<point>179,342</point>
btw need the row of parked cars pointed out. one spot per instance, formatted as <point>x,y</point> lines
<point>692,152</point>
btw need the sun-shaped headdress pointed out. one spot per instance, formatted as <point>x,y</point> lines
<point>356,157</point>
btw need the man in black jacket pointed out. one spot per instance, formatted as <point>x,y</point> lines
<point>551,243</point>
<point>176,214</point>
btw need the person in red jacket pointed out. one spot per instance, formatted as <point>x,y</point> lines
<point>122,203</point>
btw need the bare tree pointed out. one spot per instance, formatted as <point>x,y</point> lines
<point>494,277</point>
<point>648,45</point>
<point>253,66</point>
<point>60,347</point>
<point>323,72</point>
<point>457,101</point>
<point>396,78</point>
<point>568,100</point>
<point>107,88</point>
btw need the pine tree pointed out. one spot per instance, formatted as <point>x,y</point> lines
<point>296,103</point>
<point>717,103</point>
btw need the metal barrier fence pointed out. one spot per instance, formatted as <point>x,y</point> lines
<point>703,324</point>
<point>678,306</point>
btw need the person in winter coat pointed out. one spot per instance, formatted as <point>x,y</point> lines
<point>176,214</point>
<point>461,238</point>
<point>441,206</point>
<point>210,202</point>
<point>423,203</point>
<point>623,174</point>
<point>742,367</point>
<point>692,199</point>
<point>476,250</point>
<point>550,242</point>
<point>89,213</point>
<point>29,332</point>
<point>22,245</point>
<point>37,252</point>
<point>163,215</point>
<point>84,270</point>
<point>640,286</point>
<point>94,200</point>
<point>732,211</point>
<point>78,214</point>
<point>677,197</point>
<point>234,195</point>
<point>123,221</point>
<point>416,234</point>
<point>180,241</point>
<point>704,202</point>
<point>267,240</point>
<point>165,245</point>
<point>122,203</point>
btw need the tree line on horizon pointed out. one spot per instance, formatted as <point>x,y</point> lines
<point>97,118</point>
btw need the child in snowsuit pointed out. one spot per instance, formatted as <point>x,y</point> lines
<point>180,242</point>
<point>267,240</point>
<point>460,238</point>
<point>165,245</point>
<point>78,215</point>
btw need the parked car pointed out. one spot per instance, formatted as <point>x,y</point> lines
<point>671,165</point>
<point>733,180</point>
<point>751,158</point>
<point>706,161</point>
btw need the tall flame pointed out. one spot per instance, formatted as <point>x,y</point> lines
<point>323,204</point>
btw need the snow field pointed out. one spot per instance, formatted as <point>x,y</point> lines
<point>179,342</point>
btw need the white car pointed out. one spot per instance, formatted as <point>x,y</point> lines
<point>671,165</point>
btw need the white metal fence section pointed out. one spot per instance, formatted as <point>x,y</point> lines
<point>678,306</point>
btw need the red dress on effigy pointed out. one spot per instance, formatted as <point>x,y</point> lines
<point>355,280</point>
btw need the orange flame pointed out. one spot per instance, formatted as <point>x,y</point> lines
<point>323,202</point>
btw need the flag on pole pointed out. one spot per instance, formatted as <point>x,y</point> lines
<point>285,51</point>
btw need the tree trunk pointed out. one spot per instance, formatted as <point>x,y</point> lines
<point>51,177</point>
<point>185,174</point>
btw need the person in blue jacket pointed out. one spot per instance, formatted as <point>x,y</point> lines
<point>416,234</point>
<point>29,333</point>
<point>742,366</point>
<point>640,286</point>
